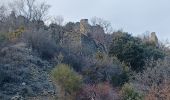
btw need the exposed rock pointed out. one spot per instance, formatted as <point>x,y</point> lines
<point>89,46</point>
<point>87,40</point>
<point>81,43</point>
<point>23,73</point>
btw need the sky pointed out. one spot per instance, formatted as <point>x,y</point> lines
<point>133,16</point>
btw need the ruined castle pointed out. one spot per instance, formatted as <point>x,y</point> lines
<point>85,37</point>
<point>84,27</point>
<point>154,39</point>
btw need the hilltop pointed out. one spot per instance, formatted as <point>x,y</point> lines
<point>82,60</point>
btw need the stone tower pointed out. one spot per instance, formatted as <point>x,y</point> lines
<point>84,27</point>
<point>153,38</point>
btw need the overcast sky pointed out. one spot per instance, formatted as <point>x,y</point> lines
<point>133,16</point>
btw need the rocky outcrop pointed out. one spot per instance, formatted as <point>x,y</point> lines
<point>90,47</point>
<point>87,40</point>
<point>22,73</point>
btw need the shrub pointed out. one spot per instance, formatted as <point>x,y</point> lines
<point>154,81</point>
<point>69,80</point>
<point>15,34</point>
<point>119,80</point>
<point>159,92</point>
<point>129,93</point>
<point>41,42</point>
<point>2,38</point>
<point>102,91</point>
<point>132,51</point>
<point>57,32</point>
<point>69,26</point>
<point>74,60</point>
<point>100,68</point>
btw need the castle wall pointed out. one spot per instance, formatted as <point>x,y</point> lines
<point>153,38</point>
<point>84,27</point>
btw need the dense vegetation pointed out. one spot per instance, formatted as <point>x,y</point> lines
<point>77,61</point>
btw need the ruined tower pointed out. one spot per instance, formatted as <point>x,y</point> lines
<point>84,26</point>
<point>154,39</point>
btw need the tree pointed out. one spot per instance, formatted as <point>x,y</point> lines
<point>155,74</point>
<point>69,26</point>
<point>154,82</point>
<point>132,51</point>
<point>30,9</point>
<point>58,20</point>
<point>3,13</point>
<point>41,12</point>
<point>103,23</point>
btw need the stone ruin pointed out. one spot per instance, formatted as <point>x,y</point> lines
<point>154,39</point>
<point>84,27</point>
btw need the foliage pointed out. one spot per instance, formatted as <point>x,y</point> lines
<point>64,44</point>
<point>41,42</point>
<point>73,59</point>
<point>122,78</point>
<point>156,74</point>
<point>15,34</point>
<point>132,51</point>
<point>100,68</point>
<point>69,80</point>
<point>69,26</point>
<point>102,91</point>
<point>11,36</point>
<point>159,92</point>
<point>129,93</point>
<point>57,32</point>
<point>2,37</point>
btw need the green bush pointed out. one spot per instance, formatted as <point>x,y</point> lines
<point>2,38</point>
<point>132,51</point>
<point>119,80</point>
<point>129,93</point>
<point>67,78</point>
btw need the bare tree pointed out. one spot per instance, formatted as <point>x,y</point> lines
<point>154,79</point>
<point>30,9</point>
<point>145,37</point>
<point>94,21</point>
<point>3,13</point>
<point>103,23</point>
<point>41,11</point>
<point>58,20</point>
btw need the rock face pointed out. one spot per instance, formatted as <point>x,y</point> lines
<point>90,47</point>
<point>22,73</point>
<point>97,33</point>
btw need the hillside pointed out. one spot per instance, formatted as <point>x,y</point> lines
<point>78,60</point>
